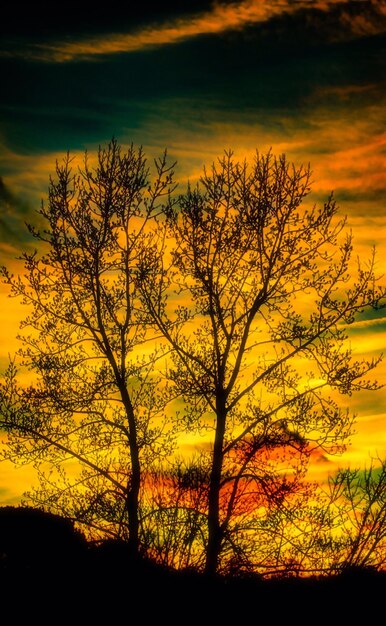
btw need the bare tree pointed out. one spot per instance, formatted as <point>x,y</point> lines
<point>93,401</point>
<point>358,499</point>
<point>264,291</point>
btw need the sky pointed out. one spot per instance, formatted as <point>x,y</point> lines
<point>303,77</point>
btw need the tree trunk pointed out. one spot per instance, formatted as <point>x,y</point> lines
<point>215,532</point>
<point>132,502</point>
<point>134,482</point>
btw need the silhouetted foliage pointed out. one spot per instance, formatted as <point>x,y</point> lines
<point>358,500</point>
<point>175,527</point>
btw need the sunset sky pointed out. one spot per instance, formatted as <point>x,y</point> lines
<point>307,78</point>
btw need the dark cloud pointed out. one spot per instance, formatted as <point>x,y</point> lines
<point>372,195</point>
<point>13,211</point>
<point>82,33</point>
<point>312,25</point>
<point>33,21</point>
<point>322,458</point>
<point>265,72</point>
<point>368,322</point>
<point>372,314</point>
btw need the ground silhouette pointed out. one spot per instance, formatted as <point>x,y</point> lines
<point>48,569</point>
<point>31,539</point>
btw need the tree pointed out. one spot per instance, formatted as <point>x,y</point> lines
<point>258,336</point>
<point>94,399</point>
<point>358,499</point>
<point>175,525</point>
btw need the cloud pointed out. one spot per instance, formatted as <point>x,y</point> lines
<point>25,180</point>
<point>12,213</point>
<point>364,23</point>
<point>6,201</point>
<point>344,92</point>
<point>221,18</point>
<point>369,19</point>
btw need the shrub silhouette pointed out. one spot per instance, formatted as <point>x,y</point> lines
<point>31,538</point>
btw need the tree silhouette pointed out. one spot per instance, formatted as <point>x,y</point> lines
<point>174,528</point>
<point>358,501</point>
<point>264,291</point>
<point>93,399</point>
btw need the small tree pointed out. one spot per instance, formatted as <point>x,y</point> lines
<point>258,336</point>
<point>175,526</point>
<point>358,499</point>
<point>94,398</point>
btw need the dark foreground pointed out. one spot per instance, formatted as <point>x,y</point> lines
<point>48,573</point>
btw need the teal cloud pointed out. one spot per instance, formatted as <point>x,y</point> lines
<point>13,213</point>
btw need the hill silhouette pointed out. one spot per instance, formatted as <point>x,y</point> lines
<point>32,539</point>
<point>45,564</point>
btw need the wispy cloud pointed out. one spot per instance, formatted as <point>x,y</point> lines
<point>221,18</point>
